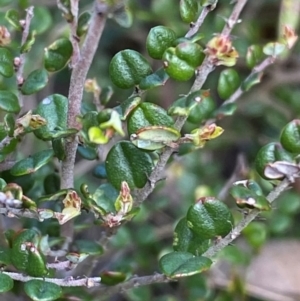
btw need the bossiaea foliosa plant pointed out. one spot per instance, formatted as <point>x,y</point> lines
<point>142,137</point>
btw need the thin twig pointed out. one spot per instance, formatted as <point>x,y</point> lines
<point>19,74</point>
<point>234,17</point>
<point>258,69</point>
<point>73,34</point>
<point>195,28</point>
<point>236,231</point>
<point>69,281</point>
<point>77,81</point>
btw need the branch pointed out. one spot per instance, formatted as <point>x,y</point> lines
<point>234,17</point>
<point>236,231</point>
<point>21,60</point>
<point>195,27</point>
<point>69,281</point>
<point>73,34</point>
<point>78,77</point>
<point>257,69</point>
<point>13,212</point>
<point>133,283</point>
<point>202,73</point>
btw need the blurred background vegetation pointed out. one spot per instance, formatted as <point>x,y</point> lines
<point>261,114</point>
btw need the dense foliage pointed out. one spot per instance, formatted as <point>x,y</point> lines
<point>148,153</point>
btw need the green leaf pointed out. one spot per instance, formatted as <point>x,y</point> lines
<point>180,62</point>
<point>19,254</point>
<point>154,137</point>
<point>123,16</point>
<point>33,163</point>
<point>89,247</point>
<point>148,114</point>
<point>26,47</point>
<point>42,19</point>
<point>54,109</point>
<point>127,68</point>
<point>100,171</point>
<point>229,81</point>
<point>112,278</point>
<point>36,266</point>
<point>58,146</point>
<point>105,197</point>
<point>270,153</point>
<point>128,105</point>
<point>159,39</point>
<point>9,102</point>
<point>251,80</point>
<point>290,136</point>
<point>183,264</point>
<point>39,290</point>
<point>12,16</point>
<point>4,256</point>
<point>6,283</point>
<point>225,110</point>
<point>274,48</point>
<point>189,10</point>
<point>256,234</point>
<point>156,79</point>
<point>186,241</point>
<point>106,94</point>
<point>125,162</point>
<point>9,121</point>
<point>6,63</point>
<point>87,152</point>
<point>210,218</point>
<point>83,23</point>
<point>58,54</point>
<point>52,183</point>
<point>254,55</point>
<point>36,81</point>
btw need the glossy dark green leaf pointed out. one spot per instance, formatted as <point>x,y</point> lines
<point>228,82</point>
<point>271,153</point>
<point>105,196</point>
<point>189,10</point>
<point>159,39</point>
<point>125,162</point>
<point>254,55</point>
<point>9,102</point>
<point>58,54</point>
<point>148,114</point>
<point>6,283</point>
<point>83,23</point>
<point>156,79</point>
<point>127,68</point>
<point>186,241</point>
<point>183,264</point>
<point>106,94</point>
<point>54,109</point>
<point>89,247</point>
<point>33,163</point>
<point>6,62</point>
<point>36,81</point>
<point>12,16</point>
<point>39,290</point>
<point>210,218</point>
<point>26,47</point>
<point>251,80</point>
<point>290,136</point>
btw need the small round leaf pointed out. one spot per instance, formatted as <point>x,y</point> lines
<point>183,264</point>
<point>33,163</point>
<point>158,40</point>
<point>58,54</point>
<point>9,102</point>
<point>36,81</point>
<point>125,162</point>
<point>6,63</point>
<point>290,136</point>
<point>127,68</point>
<point>210,218</point>
<point>229,81</point>
<point>6,283</point>
<point>39,290</point>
